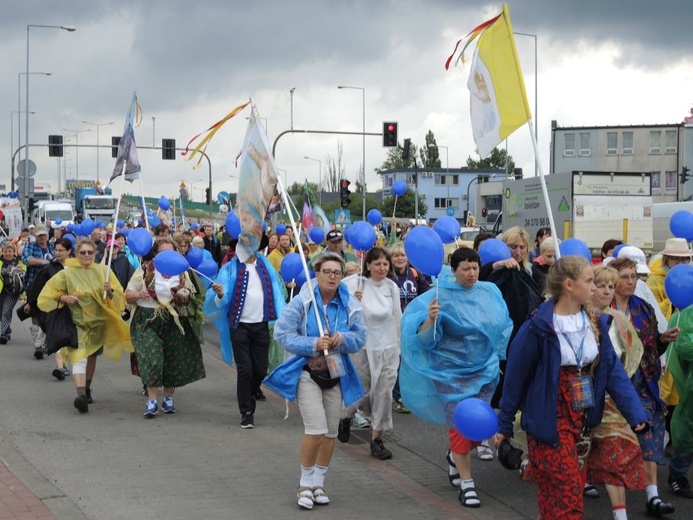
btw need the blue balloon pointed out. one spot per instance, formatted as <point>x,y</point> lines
<point>77,229</point>
<point>154,220</point>
<point>233,225</point>
<point>374,217</point>
<point>170,263</point>
<point>448,229</point>
<point>194,226</point>
<point>301,278</point>
<point>140,241</point>
<point>223,197</point>
<point>140,221</point>
<point>120,223</point>
<point>281,229</point>
<point>195,257</point>
<point>87,226</point>
<point>575,247</point>
<point>347,233</point>
<point>164,203</point>
<point>100,223</point>
<point>617,249</point>
<point>399,188</point>
<point>70,226</point>
<point>208,268</point>
<point>475,419</point>
<point>317,235</point>
<point>424,250</point>
<point>71,238</point>
<point>362,236</point>
<point>493,250</point>
<point>681,225</point>
<point>58,221</point>
<point>678,285</point>
<point>291,267</point>
<point>125,231</point>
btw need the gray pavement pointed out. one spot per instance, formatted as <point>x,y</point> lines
<point>198,463</point>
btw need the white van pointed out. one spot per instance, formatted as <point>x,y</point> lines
<point>52,210</point>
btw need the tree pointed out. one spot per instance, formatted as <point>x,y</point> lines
<point>405,205</point>
<point>299,189</point>
<point>497,160</point>
<point>335,171</point>
<point>394,160</point>
<point>430,157</point>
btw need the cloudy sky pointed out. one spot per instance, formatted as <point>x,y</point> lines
<point>616,62</point>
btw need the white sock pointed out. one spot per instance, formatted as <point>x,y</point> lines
<point>466,484</point>
<point>319,476</point>
<point>652,491</point>
<point>306,477</point>
<point>620,514</point>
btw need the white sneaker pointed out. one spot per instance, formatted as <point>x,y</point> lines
<point>359,421</point>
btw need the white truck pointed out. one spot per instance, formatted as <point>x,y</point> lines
<point>52,210</point>
<point>591,206</point>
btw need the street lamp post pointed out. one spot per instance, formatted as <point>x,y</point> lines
<point>536,98</point>
<point>191,189</point>
<point>77,132</point>
<point>25,202</point>
<point>12,141</point>
<point>477,178</point>
<point>98,126</point>
<point>363,164</point>
<point>19,104</point>
<point>319,177</point>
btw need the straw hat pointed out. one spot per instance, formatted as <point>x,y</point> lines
<point>677,247</point>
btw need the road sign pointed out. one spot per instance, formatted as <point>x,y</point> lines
<point>32,168</point>
<point>342,217</point>
<point>450,211</point>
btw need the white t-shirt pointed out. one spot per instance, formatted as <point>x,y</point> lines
<point>572,326</point>
<point>254,298</point>
<point>381,309</point>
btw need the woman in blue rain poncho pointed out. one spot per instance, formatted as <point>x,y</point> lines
<point>451,345</point>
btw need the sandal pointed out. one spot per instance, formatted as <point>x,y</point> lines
<point>469,498</point>
<point>656,507</point>
<point>484,451</point>
<point>319,497</point>
<point>590,491</point>
<point>453,474</point>
<point>305,497</point>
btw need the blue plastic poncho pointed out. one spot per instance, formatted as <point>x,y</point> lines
<point>471,336</point>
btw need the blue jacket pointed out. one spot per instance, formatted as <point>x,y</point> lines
<point>296,331</point>
<point>531,380</point>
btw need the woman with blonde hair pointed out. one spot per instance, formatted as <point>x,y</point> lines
<point>560,366</point>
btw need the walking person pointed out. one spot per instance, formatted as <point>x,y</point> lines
<point>560,366</point>
<point>12,273</point>
<point>36,255</point>
<point>305,378</point>
<point>245,297</point>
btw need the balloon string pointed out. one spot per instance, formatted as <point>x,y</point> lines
<point>394,206</point>
<point>435,322</point>
<point>202,275</point>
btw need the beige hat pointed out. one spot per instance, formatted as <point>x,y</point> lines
<point>677,247</point>
<point>41,230</point>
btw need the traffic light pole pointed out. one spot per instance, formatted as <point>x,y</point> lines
<point>18,150</point>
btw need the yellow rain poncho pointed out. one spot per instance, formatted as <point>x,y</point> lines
<point>97,318</point>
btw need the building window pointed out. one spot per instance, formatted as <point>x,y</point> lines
<point>655,182</point>
<point>390,181</point>
<point>455,180</point>
<point>442,203</point>
<point>672,179</point>
<point>655,142</point>
<point>612,143</point>
<point>671,141</point>
<point>627,143</point>
<point>569,148</point>
<point>440,179</point>
<point>585,145</point>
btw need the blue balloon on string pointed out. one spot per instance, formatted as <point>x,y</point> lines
<point>87,226</point>
<point>475,419</point>
<point>120,223</point>
<point>301,278</point>
<point>170,263</point>
<point>575,247</point>
<point>399,188</point>
<point>208,268</point>
<point>493,250</point>
<point>362,235</point>
<point>71,238</point>
<point>281,229</point>
<point>317,235</point>
<point>154,220</point>
<point>425,250</point>
<point>374,217</point>
<point>70,226</point>
<point>77,229</point>
<point>448,229</point>
<point>678,285</point>
<point>58,221</point>
<point>100,223</point>
<point>194,226</point>
<point>125,231</point>
<point>233,225</point>
<point>290,267</point>
<point>164,203</point>
<point>347,234</point>
<point>681,225</point>
<point>195,257</point>
<point>140,241</point>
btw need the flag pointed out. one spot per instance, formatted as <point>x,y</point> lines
<point>307,217</point>
<point>498,101</point>
<point>127,149</point>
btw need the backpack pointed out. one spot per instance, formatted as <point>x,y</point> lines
<point>14,281</point>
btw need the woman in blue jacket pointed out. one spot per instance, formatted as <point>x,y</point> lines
<point>560,366</point>
<point>306,379</point>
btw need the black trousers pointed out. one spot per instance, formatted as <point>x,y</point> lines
<point>250,353</point>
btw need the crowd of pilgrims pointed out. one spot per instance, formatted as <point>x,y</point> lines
<point>587,364</point>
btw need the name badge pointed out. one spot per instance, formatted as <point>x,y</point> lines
<point>581,392</point>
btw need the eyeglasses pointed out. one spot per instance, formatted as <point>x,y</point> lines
<point>679,259</point>
<point>86,253</point>
<point>331,273</point>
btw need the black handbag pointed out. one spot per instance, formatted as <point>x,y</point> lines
<point>60,330</point>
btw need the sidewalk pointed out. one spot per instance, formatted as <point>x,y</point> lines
<point>198,463</point>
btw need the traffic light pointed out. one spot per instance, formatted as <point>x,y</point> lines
<point>344,193</point>
<point>208,196</point>
<point>406,149</point>
<point>518,173</point>
<point>685,174</point>
<point>115,142</point>
<point>168,149</point>
<point>389,134</point>
<point>32,203</point>
<point>55,146</point>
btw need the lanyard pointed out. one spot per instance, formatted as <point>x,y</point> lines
<point>578,354</point>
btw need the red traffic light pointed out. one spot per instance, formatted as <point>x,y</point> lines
<point>345,183</point>
<point>390,127</point>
